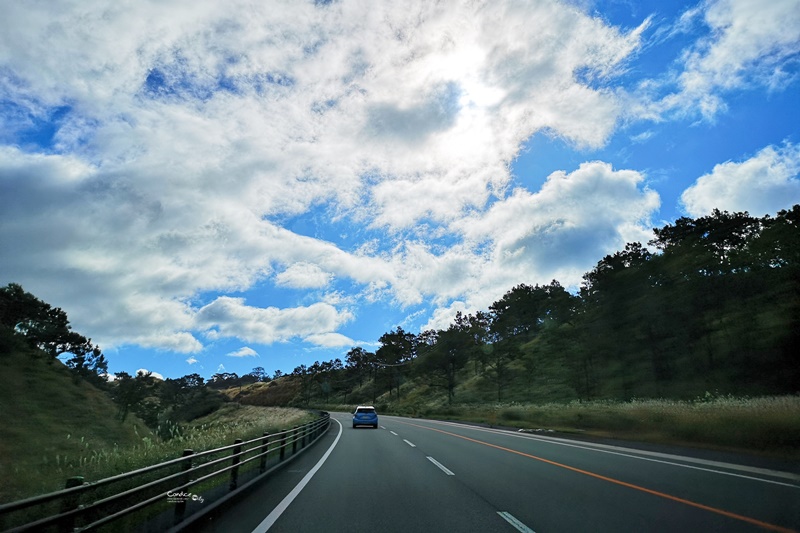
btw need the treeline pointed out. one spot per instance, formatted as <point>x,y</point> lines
<point>45,331</point>
<point>29,325</point>
<point>712,305</point>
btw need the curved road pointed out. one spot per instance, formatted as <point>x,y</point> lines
<point>420,475</point>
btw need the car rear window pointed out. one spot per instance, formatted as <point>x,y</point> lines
<point>364,410</point>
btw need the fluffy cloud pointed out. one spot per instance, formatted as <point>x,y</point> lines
<point>244,351</point>
<point>761,185</point>
<point>557,233</point>
<point>749,44</point>
<point>303,276</point>
<point>560,231</point>
<point>144,371</point>
<point>230,317</point>
<point>331,340</point>
<point>152,155</point>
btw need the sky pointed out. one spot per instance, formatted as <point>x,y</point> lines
<point>213,186</point>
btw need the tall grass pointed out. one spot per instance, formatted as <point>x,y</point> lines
<point>768,425</point>
<point>219,429</point>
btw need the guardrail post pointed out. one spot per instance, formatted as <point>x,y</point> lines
<point>304,430</point>
<point>180,505</point>
<point>294,440</point>
<point>237,450</point>
<point>283,443</point>
<point>264,452</point>
<point>69,503</point>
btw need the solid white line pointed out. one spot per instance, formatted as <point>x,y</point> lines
<point>409,443</point>
<point>441,466</point>
<point>287,501</point>
<point>508,517</point>
<point>393,433</point>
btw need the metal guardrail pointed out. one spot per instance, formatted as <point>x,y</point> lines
<point>141,500</point>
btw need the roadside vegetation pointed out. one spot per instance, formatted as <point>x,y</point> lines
<point>694,343</point>
<point>56,426</point>
<point>766,425</point>
<point>694,340</point>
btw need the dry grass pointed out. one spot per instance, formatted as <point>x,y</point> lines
<point>767,425</point>
<point>218,429</point>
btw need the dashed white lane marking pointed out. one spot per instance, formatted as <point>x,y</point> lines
<point>393,433</point>
<point>410,443</point>
<point>655,457</point>
<point>441,466</point>
<point>287,501</point>
<point>508,517</point>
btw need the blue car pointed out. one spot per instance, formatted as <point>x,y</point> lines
<point>365,415</point>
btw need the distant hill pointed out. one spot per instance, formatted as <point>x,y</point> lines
<point>52,424</point>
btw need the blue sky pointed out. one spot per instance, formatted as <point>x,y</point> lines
<point>207,187</point>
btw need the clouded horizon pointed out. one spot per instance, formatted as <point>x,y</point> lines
<point>204,186</point>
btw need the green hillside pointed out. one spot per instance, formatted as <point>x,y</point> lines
<point>52,424</point>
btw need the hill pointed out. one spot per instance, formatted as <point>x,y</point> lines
<point>53,424</point>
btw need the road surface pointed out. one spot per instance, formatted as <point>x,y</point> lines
<point>419,475</point>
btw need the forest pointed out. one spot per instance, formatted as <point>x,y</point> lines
<point>710,306</point>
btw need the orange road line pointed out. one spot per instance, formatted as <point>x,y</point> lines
<point>759,523</point>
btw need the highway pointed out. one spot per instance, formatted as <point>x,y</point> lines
<point>420,475</point>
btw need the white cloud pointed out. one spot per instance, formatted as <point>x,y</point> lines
<point>192,361</point>
<point>330,340</point>
<point>443,317</point>
<point>749,44</point>
<point>561,231</point>
<point>303,276</point>
<point>230,317</point>
<point>761,185</point>
<point>557,233</point>
<point>144,371</point>
<point>244,351</point>
<point>189,131</point>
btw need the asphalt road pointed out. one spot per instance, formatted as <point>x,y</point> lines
<point>418,475</point>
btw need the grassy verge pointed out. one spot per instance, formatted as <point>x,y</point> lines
<point>218,429</point>
<point>766,425</point>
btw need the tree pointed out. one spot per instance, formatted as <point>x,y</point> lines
<point>478,327</point>
<point>259,374</point>
<point>398,349</point>
<point>446,352</point>
<point>708,246</point>
<point>357,360</point>
<point>175,393</point>
<point>129,392</point>
<point>223,380</point>
<point>42,325</point>
<point>47,328</point>
<point>87,361</point>
<point>306,376</point>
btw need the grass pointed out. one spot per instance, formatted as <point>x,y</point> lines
<point>219,429</point>
<point>51,423</point>
<point>55,427</point>
<point>213,431</point>
<point>765,425</point>
<point>762,425</point>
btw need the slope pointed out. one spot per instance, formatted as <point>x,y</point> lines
<point>52,425</point>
